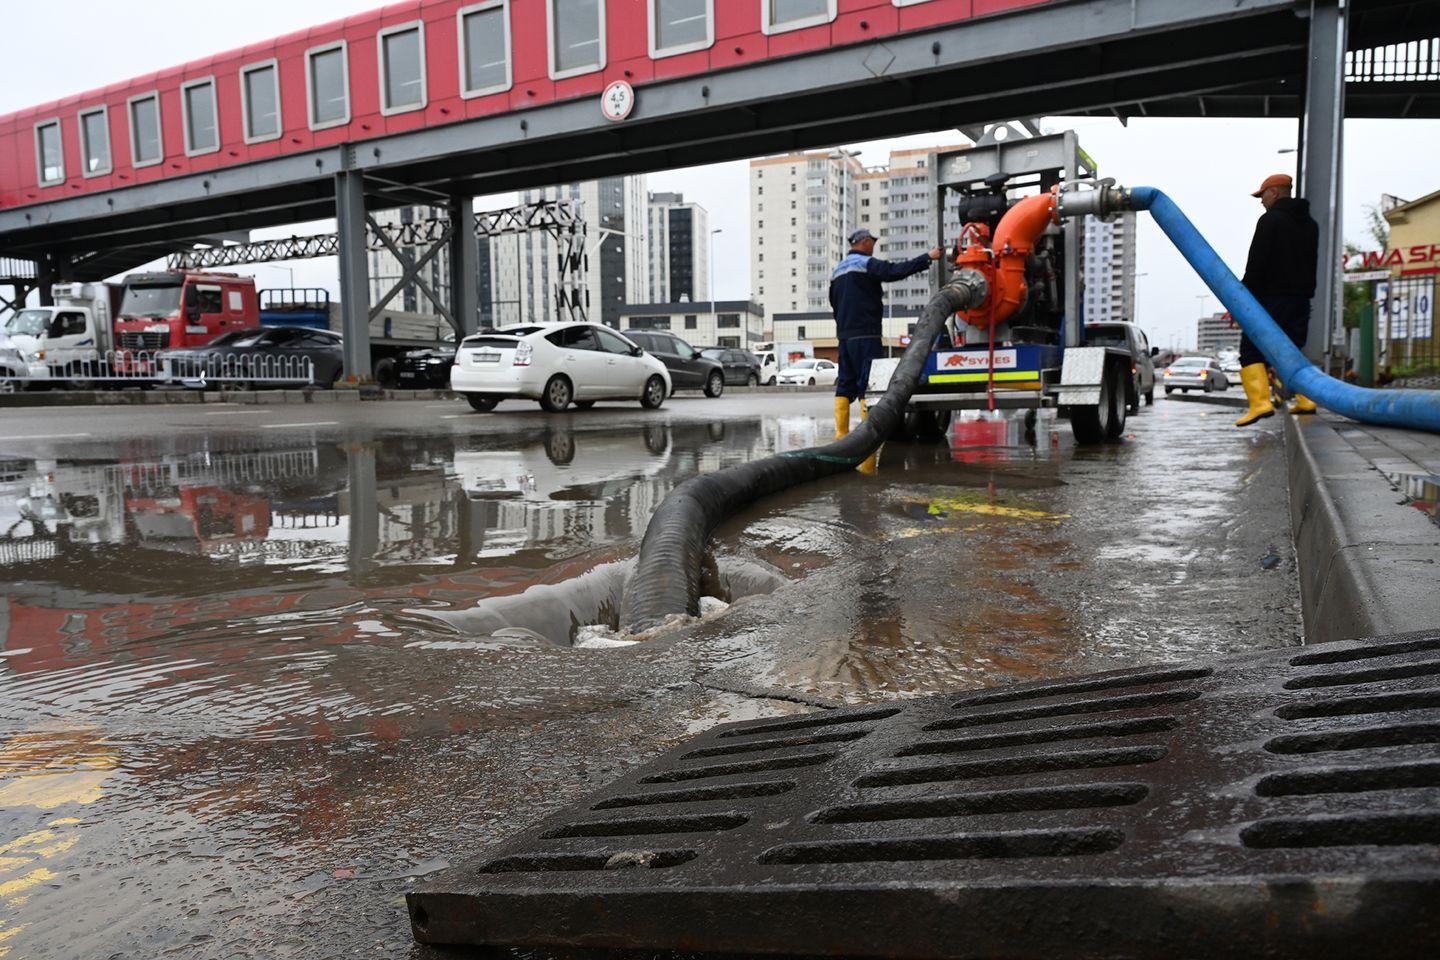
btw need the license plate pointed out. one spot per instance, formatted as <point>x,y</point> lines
<point>486,356</point>
<point>157,328</point>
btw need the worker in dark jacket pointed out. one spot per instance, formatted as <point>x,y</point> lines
<point>858,301</point>
<point>1280,272</point>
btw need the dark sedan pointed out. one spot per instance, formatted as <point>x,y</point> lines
<point>689,370</point>
<point>267,357</point>
<point>424,369</point>
<point>742,368</point>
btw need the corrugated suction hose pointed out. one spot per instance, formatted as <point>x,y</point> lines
<point>666,580</point>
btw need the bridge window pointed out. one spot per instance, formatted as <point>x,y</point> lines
<point>485,47</point>
<point>327,76</point>
<point>680,26</point>
<point>577,37</point>
<point>777,16</point>
<point>402,68</point>
<point>145,149</point>
<point>197,103</point>
<point>49,153</point>
<point>260,91</point>
<point>95,141</point>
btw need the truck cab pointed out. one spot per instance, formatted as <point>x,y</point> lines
<point>68,339</point>
<point>162,311</point>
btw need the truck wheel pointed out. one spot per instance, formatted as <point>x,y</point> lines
<point>482,404</point>
<point>771,381</point>
<point>1091,425</point>
<point>385,373</point>
<point>752,381</point>
<point>1119,405</point>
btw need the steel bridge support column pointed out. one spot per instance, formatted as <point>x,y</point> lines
<point>1321,150</point>
<point>364,508</point>
<point>464,266</point>
<point>354,274</point>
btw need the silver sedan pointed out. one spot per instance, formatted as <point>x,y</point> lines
<point>1195,373</point>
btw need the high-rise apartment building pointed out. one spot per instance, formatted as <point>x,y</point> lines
<point>1108,258</point>
<point>901,212</point>
<point>386,271</point>
<point>802,206</point>
<point>679,250</point>
<point>522,267</point>
<point>1217,332</point>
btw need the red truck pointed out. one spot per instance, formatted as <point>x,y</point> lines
<point>164,311</point>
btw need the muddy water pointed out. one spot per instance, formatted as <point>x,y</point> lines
<point>251,687</point>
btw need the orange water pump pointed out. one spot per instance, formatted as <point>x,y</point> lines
<point>1001,260</point>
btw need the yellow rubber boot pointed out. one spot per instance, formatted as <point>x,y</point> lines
<point>1256,381</point>
<point>1303,404</point>
<point>869,465</point>
<point>842,417</point>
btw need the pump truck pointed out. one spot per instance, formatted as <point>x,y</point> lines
<point>1024,349</point>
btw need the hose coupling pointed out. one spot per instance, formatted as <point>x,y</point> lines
<point>968,288</point>
<point>1104,200</point>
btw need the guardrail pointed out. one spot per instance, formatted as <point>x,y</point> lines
<point>116,369</point>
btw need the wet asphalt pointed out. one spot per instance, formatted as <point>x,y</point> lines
<point>262,668</point>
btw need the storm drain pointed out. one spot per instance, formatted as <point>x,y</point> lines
<point>1284,804</point>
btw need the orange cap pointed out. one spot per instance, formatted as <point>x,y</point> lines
<point>1275,180</point>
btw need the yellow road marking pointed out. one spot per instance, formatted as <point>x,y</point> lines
<point>32,879</point>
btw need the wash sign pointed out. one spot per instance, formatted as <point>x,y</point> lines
<point>1407,310</point>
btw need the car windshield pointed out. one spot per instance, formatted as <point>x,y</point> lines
<point>29,323</point>
<point>1106,336</point>
<point>712,354</point>
<point>150,301</point>
<point>803,365</point>
<point>1191,362</point>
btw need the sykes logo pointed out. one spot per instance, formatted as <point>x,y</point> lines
<point>976,360</point>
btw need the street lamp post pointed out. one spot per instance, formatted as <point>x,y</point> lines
<point>715,318</point>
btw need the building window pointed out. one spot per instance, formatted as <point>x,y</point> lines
<point>681,26</point>
<point>576,30</point>
<point>260,96</point>
<point>402,68</point>
<point>95,141</point>
<point>728,321</point>
<point>49,153</point>
<point>197,105</point>
<point>731,342</point>
<point>485,48</point>
<point>145,142</point>
<point>800,332</point>
<point>691,321</point>
<point>327,79</point>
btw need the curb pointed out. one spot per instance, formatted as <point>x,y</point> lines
<point>124,398</point>
<point>1239,403</point>
<point>1369,565</point>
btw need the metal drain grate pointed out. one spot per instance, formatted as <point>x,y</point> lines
<point>1284,804</point>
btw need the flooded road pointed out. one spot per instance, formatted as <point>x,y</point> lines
<point>261,669</point>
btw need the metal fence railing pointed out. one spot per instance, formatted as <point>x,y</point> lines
<point>1415,60</point>
<point>1405,333</point>
<point>89,370</point>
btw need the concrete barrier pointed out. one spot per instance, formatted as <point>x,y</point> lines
<point>1369,561</point>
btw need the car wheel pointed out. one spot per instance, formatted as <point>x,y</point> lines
<point>1209,386</point>
<point>1169,390</point>
<point>557,395</point>
<point>753,381</point>
<point>654,394</point>
<point>560,448</point>
<point>1150,397</point>
<point>9,385</point>
<point>385,373</point>
<point>584,404</point>
<point>715,386</point>
<point>482,404</point>
<point>812,381</point>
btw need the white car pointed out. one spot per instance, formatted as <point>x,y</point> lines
<point>822,373</point>
<point>557,364</point>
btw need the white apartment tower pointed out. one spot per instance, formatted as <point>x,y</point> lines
<point>802,207</point>
<point>1109,269</point>
<point>523,267</point>
<point>679,250</point>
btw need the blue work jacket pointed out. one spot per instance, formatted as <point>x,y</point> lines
<point>856,295</point>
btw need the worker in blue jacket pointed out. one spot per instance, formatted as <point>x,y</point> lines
<point>858,301</point>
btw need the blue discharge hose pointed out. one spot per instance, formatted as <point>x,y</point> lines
<point>1418,409</point>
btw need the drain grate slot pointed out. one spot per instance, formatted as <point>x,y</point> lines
<point>1083,686</point>
<point>1080,731</point>
<point>785,743</point>
<point>648,826</point>
<point>1071,709</point>
<point>1402,671</point>
<point>1014,766</point>
<point>1399,776</point>
<point>807,723</point>
<point>744,766</point>
<point>568,862</point>
<point>971,846</point>
<point>1353,706</point>
<point>1400,735</point>
<point>1384,830</point>
<point>736,791</point>
<point>1082,797</point>
<point>1366,653</point>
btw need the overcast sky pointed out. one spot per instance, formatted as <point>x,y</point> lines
<point>62,47</point>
